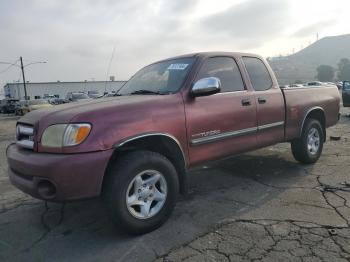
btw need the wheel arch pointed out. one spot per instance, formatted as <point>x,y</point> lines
<point>162,143</point>
<point>318,114</point>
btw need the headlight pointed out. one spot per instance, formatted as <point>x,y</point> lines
<point>62,135</point>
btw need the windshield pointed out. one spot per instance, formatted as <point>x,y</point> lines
<point>164,77</point>
<point>80,96</point>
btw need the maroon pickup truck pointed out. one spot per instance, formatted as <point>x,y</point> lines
<point>135,149</point>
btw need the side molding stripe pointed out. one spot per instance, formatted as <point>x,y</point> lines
<point>263,127</point>
<point>204,140</point>
<point>232,134</point>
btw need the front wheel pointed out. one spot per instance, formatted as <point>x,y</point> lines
<point>308,148</point>
<point>140,191</point>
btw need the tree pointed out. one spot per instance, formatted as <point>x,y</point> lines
<point>325,73</point>
<point>344,69</point>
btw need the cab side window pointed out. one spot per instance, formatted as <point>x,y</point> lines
<point>258,73</point>
<point>224,68</point>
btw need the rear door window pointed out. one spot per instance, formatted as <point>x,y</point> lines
<point>258,73</point>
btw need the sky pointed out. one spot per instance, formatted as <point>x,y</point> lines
<point>77,37</point>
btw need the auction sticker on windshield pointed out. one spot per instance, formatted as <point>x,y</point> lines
<point>177,66</point>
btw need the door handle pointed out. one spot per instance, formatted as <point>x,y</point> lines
<point>246,102</point>
<point>261,100</point>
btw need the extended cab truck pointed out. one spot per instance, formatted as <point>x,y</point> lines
<point>135,149</point>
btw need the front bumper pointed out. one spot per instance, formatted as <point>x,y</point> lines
<point>71,176</point>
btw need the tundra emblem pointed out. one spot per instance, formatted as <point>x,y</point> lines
<point>207,133</point>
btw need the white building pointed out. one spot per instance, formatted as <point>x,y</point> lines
<point>59,89</point>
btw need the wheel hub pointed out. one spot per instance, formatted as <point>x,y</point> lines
<point>146,194</point>
<point>313,141</point>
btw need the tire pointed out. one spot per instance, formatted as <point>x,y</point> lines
<point>308,150</point>
<point>123,178</point>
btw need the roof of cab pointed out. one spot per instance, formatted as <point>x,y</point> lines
<point>211,54</point>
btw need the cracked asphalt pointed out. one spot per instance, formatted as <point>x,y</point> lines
<point>259,206</point>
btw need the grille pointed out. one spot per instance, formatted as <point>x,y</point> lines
<point>24,136</point>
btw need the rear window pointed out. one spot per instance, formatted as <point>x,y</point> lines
<point>258,73</point>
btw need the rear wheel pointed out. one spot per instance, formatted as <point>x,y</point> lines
<point>308,148</point>
<point>140,191</point>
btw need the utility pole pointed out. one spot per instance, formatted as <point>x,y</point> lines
<point>24,81</point>
<point>22,68</point>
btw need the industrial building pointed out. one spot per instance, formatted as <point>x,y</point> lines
<point>59,89</point>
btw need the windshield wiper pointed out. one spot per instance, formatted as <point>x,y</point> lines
<point>146,92</point>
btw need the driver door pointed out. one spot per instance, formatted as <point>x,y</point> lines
<point>224,123</point>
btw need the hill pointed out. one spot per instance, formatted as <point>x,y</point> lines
<point>302,65</point>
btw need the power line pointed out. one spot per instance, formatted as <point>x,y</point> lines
<point>30,61</point>
<point>6,69</point>
<point>10,65</point>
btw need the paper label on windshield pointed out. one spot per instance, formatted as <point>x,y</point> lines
<point>177,66</point>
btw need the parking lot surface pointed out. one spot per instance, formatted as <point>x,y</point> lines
<point>257,206</point>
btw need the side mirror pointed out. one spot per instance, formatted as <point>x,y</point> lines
<point>206,87</point>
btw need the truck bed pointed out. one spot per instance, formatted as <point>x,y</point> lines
<point>301,100</point>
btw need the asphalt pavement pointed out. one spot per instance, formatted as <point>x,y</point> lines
<point>261,205</point>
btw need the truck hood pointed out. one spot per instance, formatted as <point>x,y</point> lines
<point>65,113</point>
<point>112,119</point>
